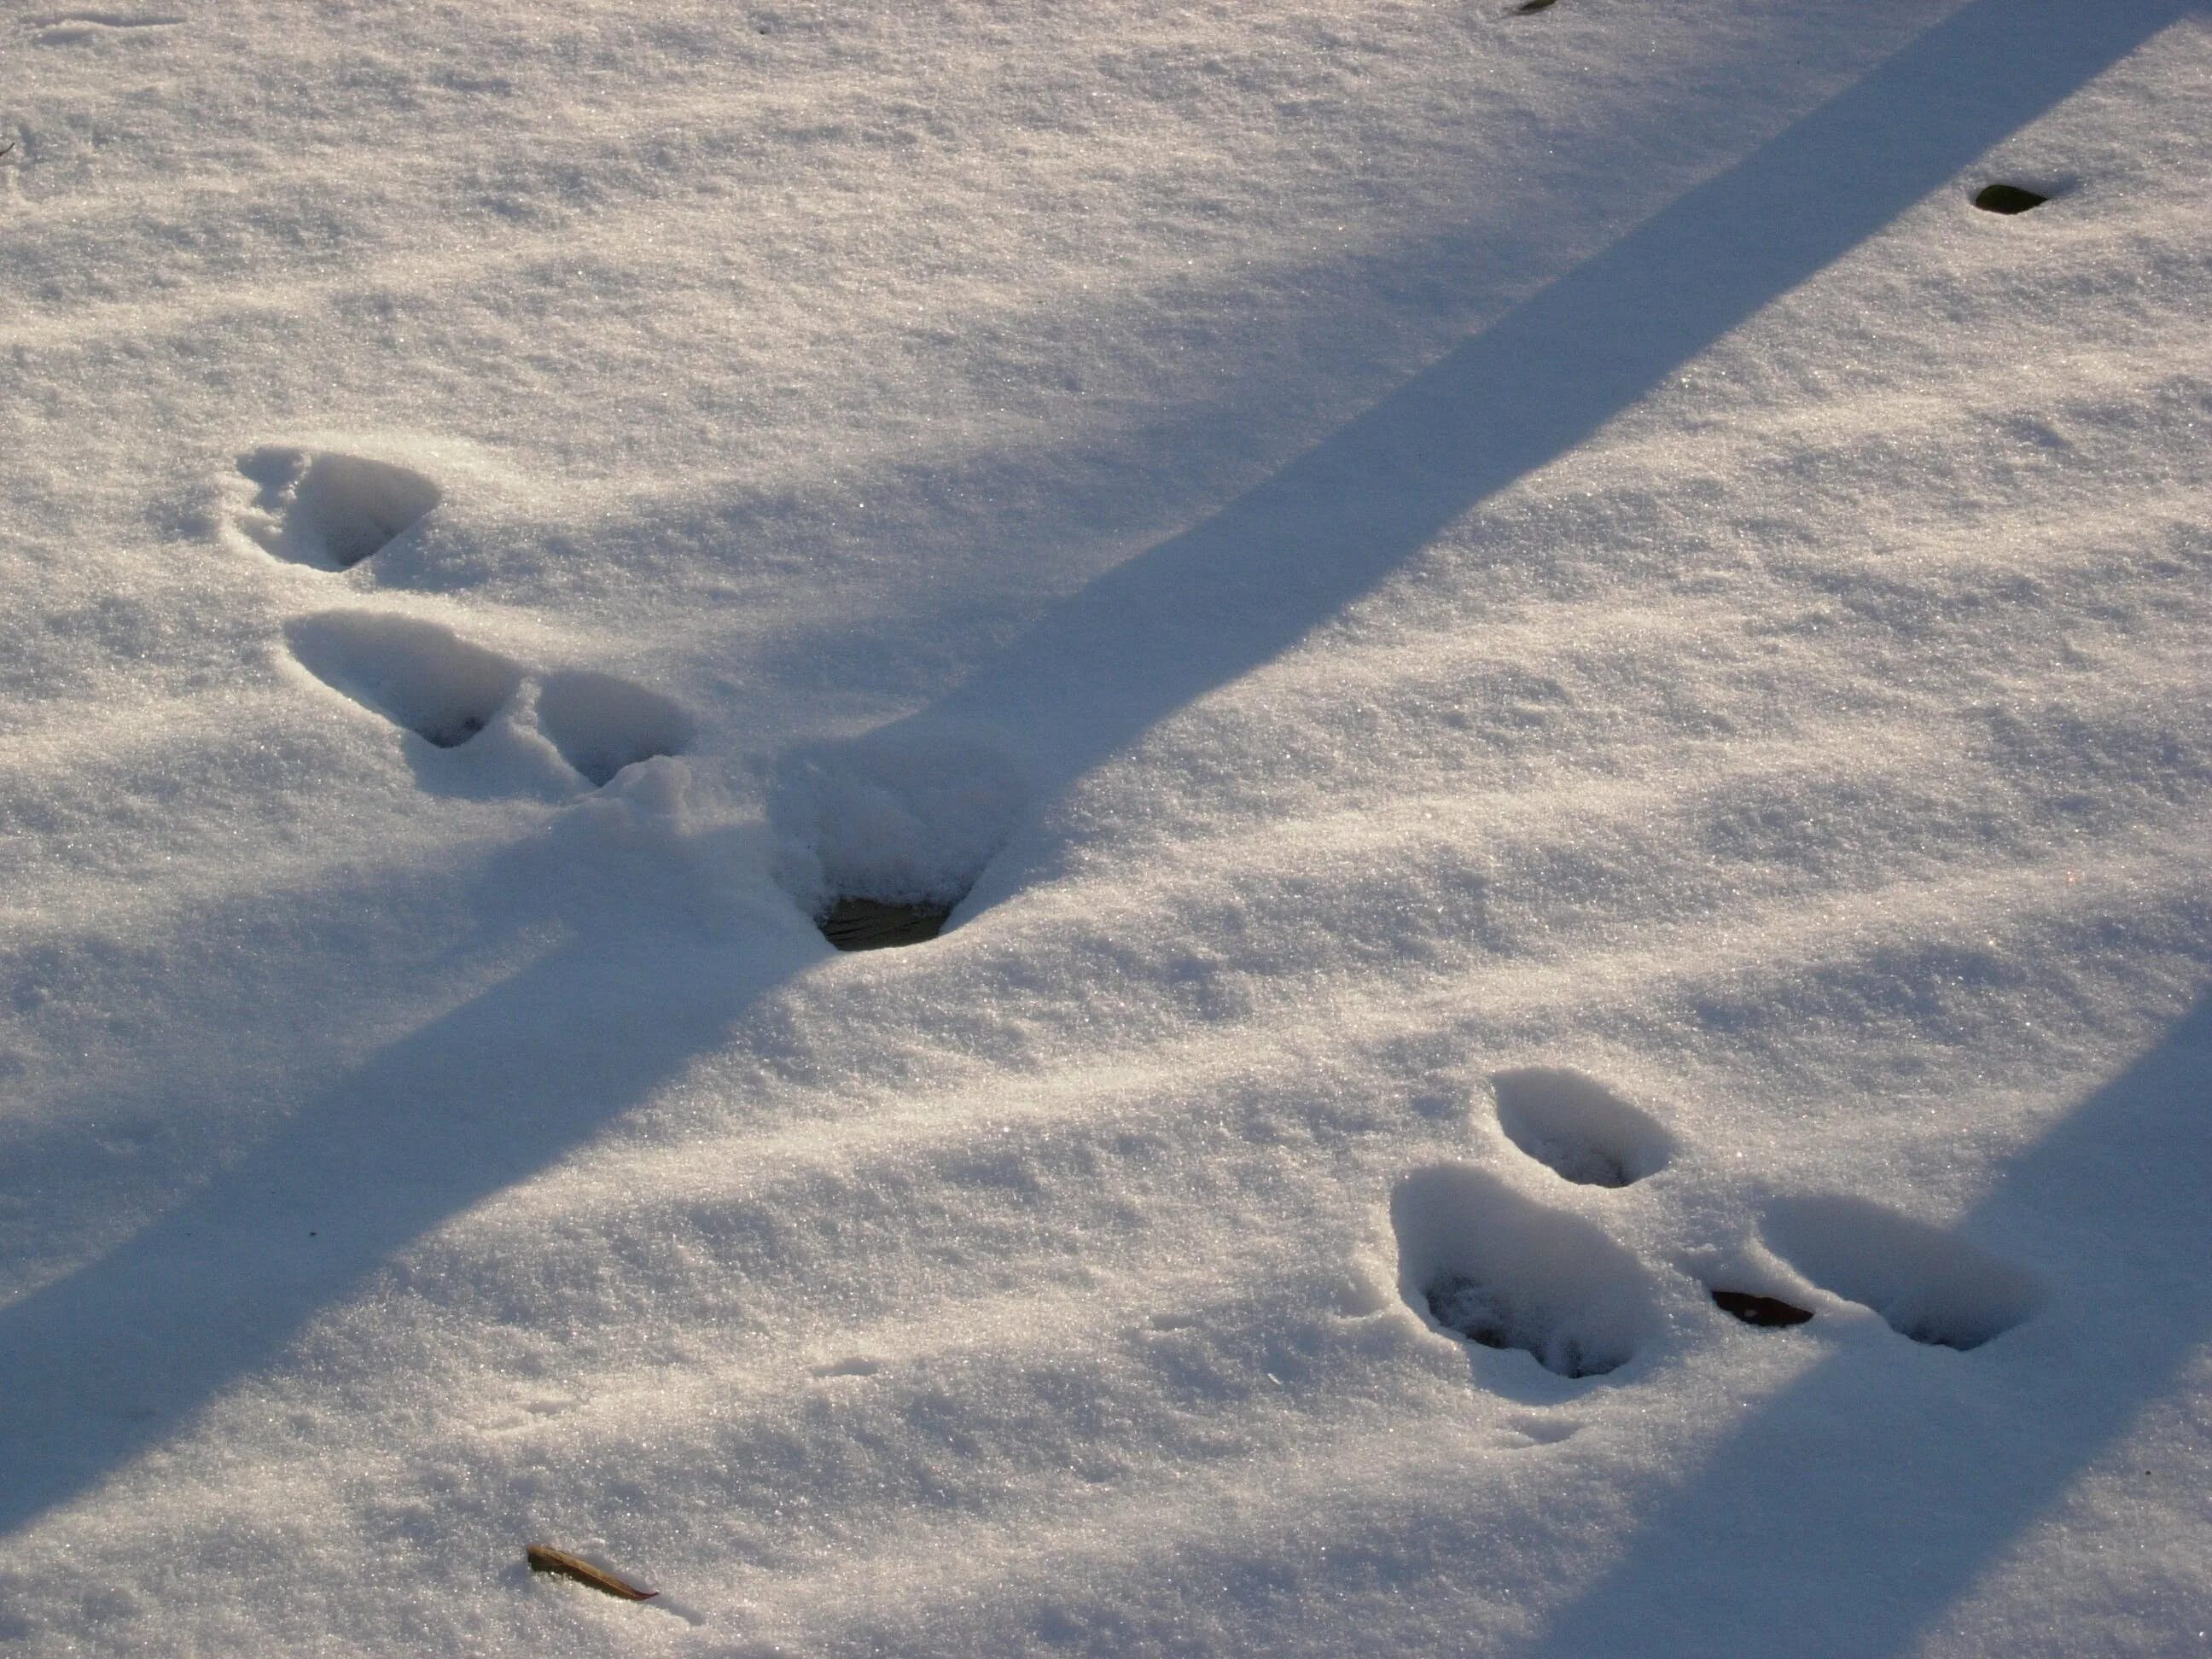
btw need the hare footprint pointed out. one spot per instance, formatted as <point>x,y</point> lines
<point>329,510</point>
<point>418,675</point>
<point>1504,1272</point>
<point>423,677</point>
<point>1927,1284</point>
<point>1478,1258</point>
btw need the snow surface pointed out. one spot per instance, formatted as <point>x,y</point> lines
<point>1550,678</point>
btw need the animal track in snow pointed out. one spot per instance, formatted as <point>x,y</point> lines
<point>1536,1429</point>
<point>1479,1259</point>
<point>1579,1128</point>
<point>329,510</point>
<point>880,838</point>
<point>601,724</point>
<point>2007,198</point>
<point>864,924</point>
<point>1504,1272</point>
<point>1768,1312</point>
<point>1927,1284</point>
<point>63,28</point>
<point>417,675</point>
<point>332,511</point>
<point>423,677</point>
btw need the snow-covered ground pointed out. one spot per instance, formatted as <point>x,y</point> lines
<point>1551,678</point>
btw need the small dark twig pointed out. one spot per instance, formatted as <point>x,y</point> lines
<point>544,1558</point>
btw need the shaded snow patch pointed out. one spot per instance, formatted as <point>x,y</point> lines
<point>67,29</point>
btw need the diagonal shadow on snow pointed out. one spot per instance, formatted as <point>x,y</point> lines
<point>1202,608</point>
<point>1851,1511</point>
<point>496,1090</point>
<point>103,1363</point>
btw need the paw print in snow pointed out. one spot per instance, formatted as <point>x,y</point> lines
<point>1926,1284</point>
<point>421,676</point>
<point>432,683</point>
<point>878,839</point>
<point>1484,1262</point>
<point>332,512</point>
<point>327,510</point>
<point>1501,1270</point>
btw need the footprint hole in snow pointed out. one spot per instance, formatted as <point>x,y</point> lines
<point>866,924</point>
<point>1754,1307</point>
<point>880,838</point>
<point>1927,1284</point>
<point>2007,198</point>
<point>1502,1271</point>
<point>1578,1128</point>
<point>1535,1430</point>
<point>417,675</point>
<point>601,724</point>
<point>330,510</point>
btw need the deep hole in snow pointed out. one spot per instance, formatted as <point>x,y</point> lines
<point>878,838</point>
<point>2007,198</point>
<point>866,924</point>
<point>1768,1311</point>
<point>1479,1313</point>
<point>1462,1304</point>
